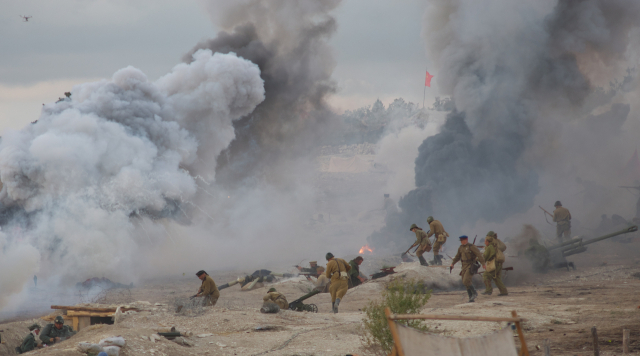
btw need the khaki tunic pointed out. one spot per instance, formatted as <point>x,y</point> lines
<point>441,235</point>
<point>562,216</point>
<point>490,253</point>
<point>422,240</point>
<point>209,291</point>
<point>468,254</point>
<point>338,287</point>
<point>277,298</point>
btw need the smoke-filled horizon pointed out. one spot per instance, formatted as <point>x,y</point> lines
<point>216,164</point>
<point>520,75</point>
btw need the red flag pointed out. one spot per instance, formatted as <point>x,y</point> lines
<point>427,81</point>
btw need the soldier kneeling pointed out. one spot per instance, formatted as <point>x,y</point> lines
<point>273,296</point>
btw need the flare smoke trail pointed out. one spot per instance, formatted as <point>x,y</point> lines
<point>114,149</point>
<point>517,72</point>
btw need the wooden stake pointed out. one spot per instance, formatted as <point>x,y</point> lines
<point>523,342</point>
<point>626,333</point>
<point>394,333</point>
<point>596,347</point>
<point>547,347</point>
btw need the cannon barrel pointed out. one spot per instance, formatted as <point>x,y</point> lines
<point>578,245</point>
<point>305,297</point>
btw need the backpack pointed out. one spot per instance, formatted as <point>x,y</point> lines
<point>501,246</point>
<point>500,256</point>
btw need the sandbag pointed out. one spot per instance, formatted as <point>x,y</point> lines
<point>113,341</point>
<point>86,347</point>
<point>112,350</point>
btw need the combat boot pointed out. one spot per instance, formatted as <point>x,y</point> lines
<point>335,306</point>
<point>423,261</point>
<point>474,293</point>
<point>470,294</point>
<point>439,258</point>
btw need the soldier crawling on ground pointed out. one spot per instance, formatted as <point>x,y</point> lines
<point>273,296</point>
<point>56,332</point>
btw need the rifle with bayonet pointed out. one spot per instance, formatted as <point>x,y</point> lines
<point>546,213</point>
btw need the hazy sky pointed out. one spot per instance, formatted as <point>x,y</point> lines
<point>378,48</point>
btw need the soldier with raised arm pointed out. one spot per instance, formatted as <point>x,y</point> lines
<point>562,217</point>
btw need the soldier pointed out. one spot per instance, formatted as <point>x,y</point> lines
<point>322,284</point>
<point>501,246</point>
<point>492,252</point>
<point>30,341</point>
<point>354,273</point>
<point>56,332</point>
<point>273,296</point>
<point>337,270</point>
<point>423,241</point>
<point>208,289</point>
<point>312,269</point>
<point>468,253</point>
<point>436,228</point>
<point>562,217</point>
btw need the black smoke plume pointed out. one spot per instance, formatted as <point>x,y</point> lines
<point>511,85</point>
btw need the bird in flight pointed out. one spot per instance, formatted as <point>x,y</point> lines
<point>26,18</point>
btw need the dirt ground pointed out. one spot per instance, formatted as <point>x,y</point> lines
<point>560,305</point>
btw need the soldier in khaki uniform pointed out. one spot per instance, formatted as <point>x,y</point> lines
<point>273,296</point>
<point>562,217</point>
<point>339,281</point>
<point>492,252</point>
<point>468,253</point>
<point>423,241</point>
<point>436,229</point>
<point>208,289</point>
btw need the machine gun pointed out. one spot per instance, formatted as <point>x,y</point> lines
<point>298,305</point>
<point>559,252</point>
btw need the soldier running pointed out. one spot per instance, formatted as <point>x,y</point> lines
<point>337,270</point>
<point>423,241</point>
<point>493,252</point>
<point>562,217</point>
<point>468,253</point>
<point>436,229</point>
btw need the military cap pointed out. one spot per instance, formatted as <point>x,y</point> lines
<point>491,233</point>
<point>464,237</point>
<point>313,262</point>
<point>200,273</point>
<point>489,238</point>
<point>34,327</point>
<point>329,256</point>
<point>413,226</point>
<point>59,319</point>
<point>430,219</point>
<point>319,268</point>
<point>558,203</point>
<point>271,290</point>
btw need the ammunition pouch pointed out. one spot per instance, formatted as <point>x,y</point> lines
<point>474,268</point>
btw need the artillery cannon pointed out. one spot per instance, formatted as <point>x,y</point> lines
<point>557,254</point>
<point>297,304</point>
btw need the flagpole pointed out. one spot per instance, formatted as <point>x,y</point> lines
<point>424,91</point>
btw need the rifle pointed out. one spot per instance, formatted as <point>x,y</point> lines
<point>547,213</point>
<point>193,296</point>
<point>508,269</point>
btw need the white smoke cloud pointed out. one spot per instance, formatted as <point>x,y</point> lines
<point>115,148</point>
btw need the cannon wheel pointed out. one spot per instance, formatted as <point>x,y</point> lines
<point>313,308</point>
